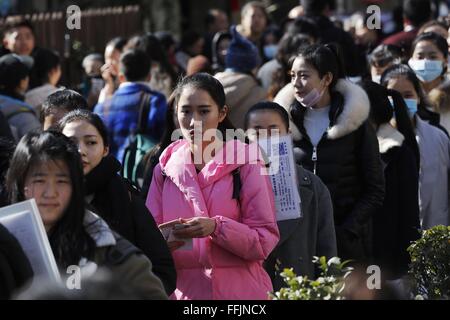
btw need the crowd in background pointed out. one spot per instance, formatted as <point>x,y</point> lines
<point>369,116</point>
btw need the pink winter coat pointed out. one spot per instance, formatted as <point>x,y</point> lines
<point>227,264</point>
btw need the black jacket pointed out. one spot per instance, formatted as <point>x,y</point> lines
<point>349,164</point>
<point>5,130</point>
<point>15,269</point>
<point>396,224</point>
<point>113,198</point>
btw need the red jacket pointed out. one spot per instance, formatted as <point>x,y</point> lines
<point>402,39</point>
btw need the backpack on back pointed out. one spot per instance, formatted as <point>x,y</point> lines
<point>139,143</point>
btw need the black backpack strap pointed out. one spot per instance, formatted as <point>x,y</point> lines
<point>236,183</point>
<point>144,111</point>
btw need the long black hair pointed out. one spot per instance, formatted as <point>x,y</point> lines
<point>381,112</point>
<point>68,238</point>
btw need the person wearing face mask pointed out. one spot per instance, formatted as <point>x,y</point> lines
<point>14,78</point>
<point>429,59</point>
<point>396,224</point>
<point>270,40</point>
<point>429,62</point>
<point>333,138</point>
<point>434,147</point>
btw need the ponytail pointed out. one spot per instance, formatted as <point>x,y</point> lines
<point>404,125</point>
<point>337,51</point>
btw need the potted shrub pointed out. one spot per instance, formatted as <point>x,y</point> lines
<point>430,264</point>
<point>328,286</point>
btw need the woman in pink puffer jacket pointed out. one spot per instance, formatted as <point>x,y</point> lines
<point>231,237</point>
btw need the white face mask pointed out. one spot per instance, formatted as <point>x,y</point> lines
<point>311,99</point>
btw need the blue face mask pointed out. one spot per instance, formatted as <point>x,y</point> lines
<point>411,104</point>
<point>426,70</point>
<point>270,51</point>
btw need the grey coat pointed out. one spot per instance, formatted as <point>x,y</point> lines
<point>21,116</point>
<point>311,235</point>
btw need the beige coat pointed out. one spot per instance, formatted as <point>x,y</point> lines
<point>242,92</point>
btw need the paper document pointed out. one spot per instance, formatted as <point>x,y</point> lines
<point>283,175</point>
<point>24,222</point>
<point>168,235</point>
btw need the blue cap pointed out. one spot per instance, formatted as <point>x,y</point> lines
<point>242,54</point>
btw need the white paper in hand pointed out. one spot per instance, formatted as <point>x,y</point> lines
<point>24,222</point>
<point>169,236</point>
<point>283,175</point>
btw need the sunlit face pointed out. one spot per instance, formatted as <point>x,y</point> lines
<point>428,50</point>
<point>20,41</point>
<point>405,87</point>
<point>112,59</point>
<point>50,185</point>
<point>198,113</point>
<point>304,78</point>
<point>89,141</point>
<point>254,20</point>
<point>265,123</point>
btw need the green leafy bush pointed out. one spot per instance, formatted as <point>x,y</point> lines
<point>328,286</point>
<point>430,264</point>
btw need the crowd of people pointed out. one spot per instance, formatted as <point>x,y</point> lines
<point>116,161</point>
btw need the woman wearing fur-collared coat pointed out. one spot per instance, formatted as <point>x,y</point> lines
<point>333,139</point>
<point>397,223</point>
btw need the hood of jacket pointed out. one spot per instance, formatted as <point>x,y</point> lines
<point>177,164</point>
<point>10,106</point>
<point>388,137</point>
<point>355,110</point>
<point>98,230</point>
<point>238,86</point>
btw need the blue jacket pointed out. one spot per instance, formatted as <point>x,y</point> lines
<point>121,113</point>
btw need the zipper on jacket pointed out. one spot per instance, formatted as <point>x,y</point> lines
<point>314,159</point>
